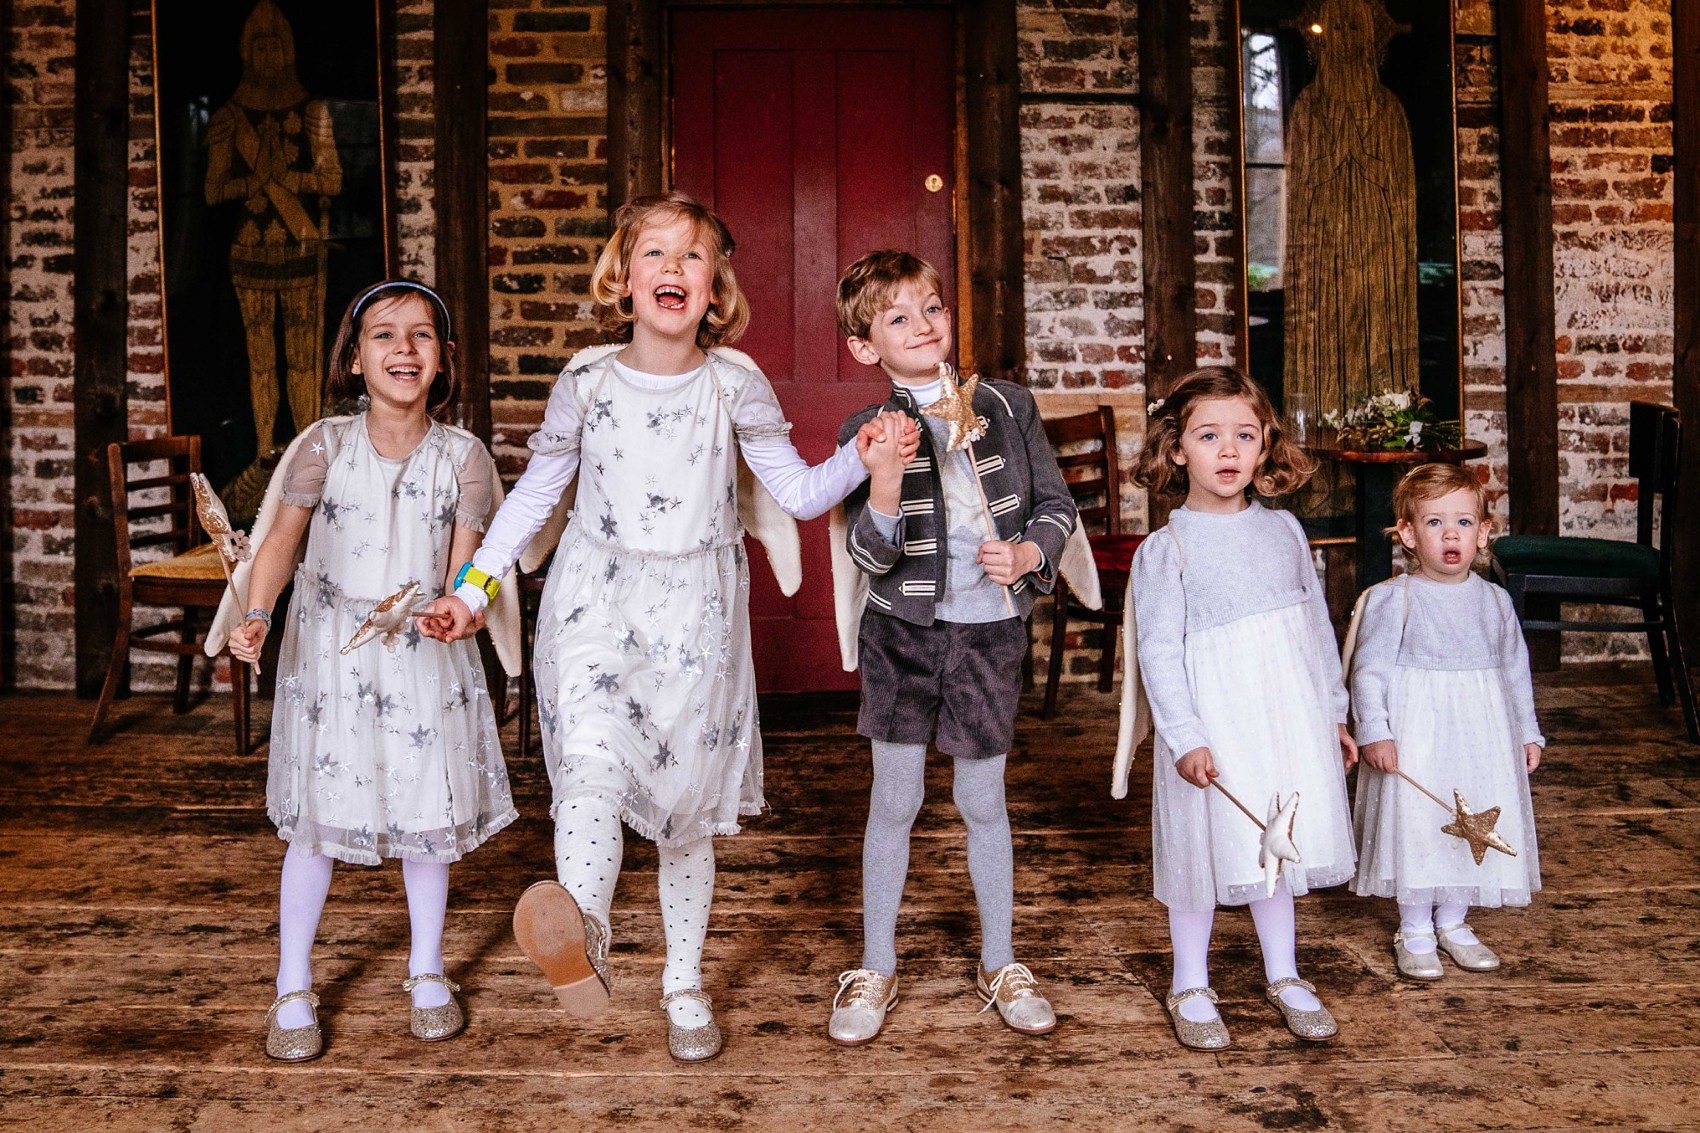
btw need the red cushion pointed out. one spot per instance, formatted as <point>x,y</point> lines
<point>1114,552</point>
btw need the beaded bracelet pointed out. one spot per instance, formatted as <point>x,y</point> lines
<point>258,613</point>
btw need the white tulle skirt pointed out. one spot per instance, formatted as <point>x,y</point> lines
<point>1454,731</point>
<point>1261,692</point>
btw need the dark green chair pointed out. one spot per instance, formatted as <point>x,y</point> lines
<point>1558,568</point>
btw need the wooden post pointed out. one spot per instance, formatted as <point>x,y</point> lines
<point>1165,155</point>
<point>997,298</point>
<point>1531,362</point>
<point>634,100</point>
<point>461,42</point>
<point>99,304</point>
<point>1685,37</point>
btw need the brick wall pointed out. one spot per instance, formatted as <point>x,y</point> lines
<point>416,211</point>
<point>38,429</point>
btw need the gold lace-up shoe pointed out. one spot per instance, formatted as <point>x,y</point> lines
<point>858,1010</point>
<point>1015,993</point>
<point>1212,1034</point>
<point>434,1024</point>
<point>294,1044</point>
<point>692,1044</point>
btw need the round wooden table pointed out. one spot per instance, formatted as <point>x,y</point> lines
<point>1378,471</point>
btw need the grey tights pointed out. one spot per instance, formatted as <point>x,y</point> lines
<point>899,786</point>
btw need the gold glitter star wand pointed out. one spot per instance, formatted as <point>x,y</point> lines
<point>955,407</point>
<point>1474,827</point>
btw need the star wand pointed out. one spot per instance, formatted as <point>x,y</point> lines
<point>955,407</point>
<point>1474,827</point>
<point>1277,846</point>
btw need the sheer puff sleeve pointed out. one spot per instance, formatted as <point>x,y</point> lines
<point>304,479</point>
<point>476,476</point>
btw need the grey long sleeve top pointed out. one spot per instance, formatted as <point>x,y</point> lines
<point>1418,623</point>
<point>1205,570</point>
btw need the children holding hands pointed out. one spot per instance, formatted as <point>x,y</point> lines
<point>1441,691</point>
<point>953,552</point>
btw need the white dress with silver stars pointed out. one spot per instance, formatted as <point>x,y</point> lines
<point>645,686</point>
<point>380,753</point>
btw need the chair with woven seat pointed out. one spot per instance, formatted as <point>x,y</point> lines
<point>1562,568</point>
<point>157,509</point>
<point>1087,457</point>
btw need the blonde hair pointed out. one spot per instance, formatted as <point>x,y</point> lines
<point>1431,482</point>
<point>869,285</point>
<point>728,312</point>
<point>1283,466</point>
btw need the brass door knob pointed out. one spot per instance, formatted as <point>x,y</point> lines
<point>933,182</point>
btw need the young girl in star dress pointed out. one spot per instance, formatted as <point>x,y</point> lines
<point>646,688</point>
<point>1441,691</point>
<point>380,753</point>
<point>1238,660</point>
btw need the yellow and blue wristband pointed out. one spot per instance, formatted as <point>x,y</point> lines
<point>474,576</point>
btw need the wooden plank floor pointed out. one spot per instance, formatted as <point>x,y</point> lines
<point>137,948</point>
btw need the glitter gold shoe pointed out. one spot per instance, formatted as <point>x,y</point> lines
<point>1312,1026</point>
<point>1476,957</point>
<point>434,1024</point>
<point>1209,1035</point>
<point>858,1009</point>
<point>1416,965</point>
<point>1015,993</point>
<point>294,1044</point>
<point>570,947</point>
<point>692,1044</point>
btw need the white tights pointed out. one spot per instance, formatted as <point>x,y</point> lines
<point>1420,921</point>
<point>589,844</point>
<point>305,882</point>
<point>1189,933</point>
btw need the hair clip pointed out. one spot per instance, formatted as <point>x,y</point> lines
<point>1153,407</point>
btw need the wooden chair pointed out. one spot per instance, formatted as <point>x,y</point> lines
<point>190,579</point>
<point>1094,480</point>
<point>1612,572</point>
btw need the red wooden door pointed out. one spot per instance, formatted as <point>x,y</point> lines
<point>814,133</point>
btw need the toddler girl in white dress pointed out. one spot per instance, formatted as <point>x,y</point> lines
<point>1441,691</point>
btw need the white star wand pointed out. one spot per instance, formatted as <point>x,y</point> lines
<point>1277,846</point>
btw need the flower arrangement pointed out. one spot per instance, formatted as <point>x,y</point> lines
<point>1395,419</point>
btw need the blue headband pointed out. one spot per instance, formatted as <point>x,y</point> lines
<point>389,284</point>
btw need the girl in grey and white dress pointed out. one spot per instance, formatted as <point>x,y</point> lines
<point>1441,691</point>
<point>1237,657</point>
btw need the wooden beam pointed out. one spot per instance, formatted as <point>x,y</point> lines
<point>1165,176</point>
<point>635,103</point>
<point>461,36</point>
<point>99,305</point>
<point>1531,364</point>
<point>390,130</point>
<point>997,299</point>
<point>1685,393</point>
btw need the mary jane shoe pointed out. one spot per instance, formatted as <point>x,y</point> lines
<point>569,946</point>
<point>1212,1034</point>
<point>1015,993</point>
<point>1476,957</point>
<point>434,1024</point>
<point>1313,1026</point>
<point>1416,965</point>
<point>860,1005</point>
<point>692,1044</point>
<point>294,1044</point>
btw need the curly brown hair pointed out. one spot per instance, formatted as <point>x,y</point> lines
<point>346,385</point>
<point>1282,467</point>
<point>728,312</point>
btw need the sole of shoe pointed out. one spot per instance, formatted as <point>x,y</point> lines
<point>550,929</point>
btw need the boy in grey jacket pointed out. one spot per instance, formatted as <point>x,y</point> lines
<point>956,545</point>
